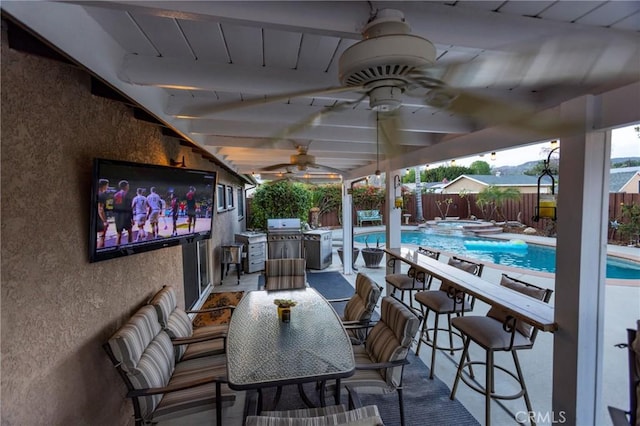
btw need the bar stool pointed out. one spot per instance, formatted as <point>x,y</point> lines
<point>414,280</point>
<point>498,331</point>
<point>447,300</point>
<point>231,254</point>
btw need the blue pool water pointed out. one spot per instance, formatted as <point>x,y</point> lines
<point>535,257</point>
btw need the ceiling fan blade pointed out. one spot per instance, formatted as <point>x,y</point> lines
<point>217,107</point>
<point>316,117</point>
<point>278,166</point>
<point>327,168</point>
<point>493,112</point>
<point>389,125</point>
<point>553,61</point>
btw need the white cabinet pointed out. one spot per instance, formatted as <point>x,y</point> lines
<point>255,247</point>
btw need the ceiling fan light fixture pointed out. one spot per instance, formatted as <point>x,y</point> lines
<point>385,98</point>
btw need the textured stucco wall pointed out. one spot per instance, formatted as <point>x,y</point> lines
<point>57,308</point>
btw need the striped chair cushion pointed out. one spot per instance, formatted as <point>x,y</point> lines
<point>306,412</point>
<point>283,274</point>
<point>165,301</point>
<point>128,343</point>
<point>172,319</point>
<point>203,397</point>
<point>391,337</point>
<point>368,415</point>
<point>146,355</point>
<point>361,305</point>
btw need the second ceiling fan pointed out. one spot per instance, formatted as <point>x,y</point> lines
<point>302,161</point>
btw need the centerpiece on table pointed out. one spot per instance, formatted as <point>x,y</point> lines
<point>284,308</point>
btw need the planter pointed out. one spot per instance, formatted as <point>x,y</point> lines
<point>284,314</point>
<point>354,255</point>
<point>372,257</point>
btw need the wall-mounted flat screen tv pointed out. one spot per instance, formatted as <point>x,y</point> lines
<point>140,207</point>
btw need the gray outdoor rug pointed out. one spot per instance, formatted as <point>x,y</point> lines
<point>426,401</point>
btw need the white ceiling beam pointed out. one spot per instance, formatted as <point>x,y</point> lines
<point>180,73</point>
<point>441,23</point>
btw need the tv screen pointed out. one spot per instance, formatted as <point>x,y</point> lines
<point>140,207</point>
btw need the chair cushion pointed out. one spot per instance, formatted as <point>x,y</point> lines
<point>206,348</point>
<point>173,320</point>
<point>439,301</point>
<point>165,301</point>
<point>361,305</point>
<point>488,332</point>
<point>403,281</point>
<point>464,265</point>
<point>368,415</point>
<point>391,337</point>
<point>203,397</point>
<point>469,267</point>
<point>284,274</point>
<point>130,341</point>
<point>306,412</point>
<point>501,315</point>
<point>145,353</point>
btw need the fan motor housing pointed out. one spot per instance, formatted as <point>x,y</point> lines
<point>384,58</point>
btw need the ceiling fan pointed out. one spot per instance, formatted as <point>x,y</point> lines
<point>310,179</point>
<point>302,161</point>
<point>390,63</point>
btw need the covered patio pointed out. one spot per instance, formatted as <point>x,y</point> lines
<point>129,80</point>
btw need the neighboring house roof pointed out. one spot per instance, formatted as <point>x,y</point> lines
<point>504,180</point>
<point>619,178</point>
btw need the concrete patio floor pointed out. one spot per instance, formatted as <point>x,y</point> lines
<point>622,309</point>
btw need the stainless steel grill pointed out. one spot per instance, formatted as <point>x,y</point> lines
<point>284,239</point>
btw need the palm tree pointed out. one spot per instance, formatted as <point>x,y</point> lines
<point>419,216</point>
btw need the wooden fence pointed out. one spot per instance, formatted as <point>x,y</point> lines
<point>463,207</point>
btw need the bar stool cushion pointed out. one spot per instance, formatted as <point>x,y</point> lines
<point>402,281</point>
<point>440,302</point>
<point>488,332</point>
<point>513,284</point>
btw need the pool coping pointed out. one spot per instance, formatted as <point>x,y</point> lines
<point>623,252</point>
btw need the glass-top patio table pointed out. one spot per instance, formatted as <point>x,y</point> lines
<point>263,351</point>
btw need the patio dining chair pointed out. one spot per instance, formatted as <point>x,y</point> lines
<point>285,274</point>
<point>189,342</point>
<point>445,301</point>
<point>381,359</point>
<point>360,306</point>
<point>160,387</point>
<point>498,331</point>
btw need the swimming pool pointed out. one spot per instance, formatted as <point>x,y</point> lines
<point>536,257</point>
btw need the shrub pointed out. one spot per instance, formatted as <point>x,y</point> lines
<point>280,200</point>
